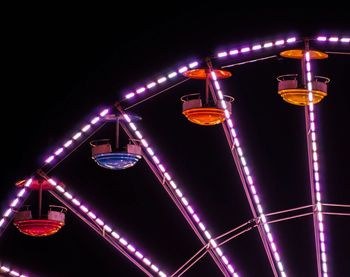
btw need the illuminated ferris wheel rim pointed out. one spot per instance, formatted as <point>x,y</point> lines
<point>172,188</point>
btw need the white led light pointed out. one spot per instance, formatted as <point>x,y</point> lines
<point>189,208</point>
<point>133,126</point>
<point>213,243</point>
<point>131,248</point>
<point>59,188</point>
<point>76,202</point>
<point>222,54</point>
<point>21,192</point>
<point>193,64</point>
<point>183,69</point>
<point>4,268</point>
<point>104,112</point>
<point>178,192</point>
<point>279,42</point>
<point>49,159</point>
<point>333,39</point>
<point>140,90</point>
<point>77,135</point>
<point>146,261</point>
<point>14,203</point>
<point>161,80</point>
<point>150,151</point>
<point>172,75</point>
<point>151,85</point>
<point>233,52</point>
<point>218,250</point>
<point>207,234</point>
<point>92,215</point>
<point>95,120</point>
<point>123,241</point>
<point>201,225</point>
<point>184,200</point>
<point>257,47</point>
<point>86,128</point>
<point>115,235</point>
<point>83,208</point>
<point>156,269</point>
<point>99,222</point>
<point>68,143</point>
<point>291,40</point>
<point>268,44</point>
<point>345,40</point>
<point>14,273</point>
<point>322,38</point>
<point>138,134</point>
<point>173,185</point>
<point>107,228</point>
<point>130,95</point>
<point>8,212</point>
<point>58,151</point>
<point>139,255</point>
<point>68,195</point>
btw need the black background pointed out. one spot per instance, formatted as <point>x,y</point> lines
<point>60,68</point>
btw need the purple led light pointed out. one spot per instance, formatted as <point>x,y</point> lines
<point>346,40</point>
<point>10,271</point>
<point>178,193</point>
<point>132,249</point>
<point>315,167</point>
<point>246,171</point>
<point>76,136</point>
<point>159,80</point>
<point>255,47</point>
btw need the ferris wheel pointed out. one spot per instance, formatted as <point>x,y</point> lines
<point>213,107</point>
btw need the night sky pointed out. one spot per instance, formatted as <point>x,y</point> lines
<point>60,70</point>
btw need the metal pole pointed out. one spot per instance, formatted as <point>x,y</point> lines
<point>245,186</point>
<point>40,198</point>
<point>98,230</point>
<point>311,174</point>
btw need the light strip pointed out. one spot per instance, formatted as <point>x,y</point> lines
<point>14,205</point>
<point>248,177</point>
<point>334,39</point>
<point>10,271</point>
<point>106,227</point>
<point>314,170</point>
<point>177,192</point>
<point>76,137</point>
<point>160,80</point>
<point>255,47</point>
